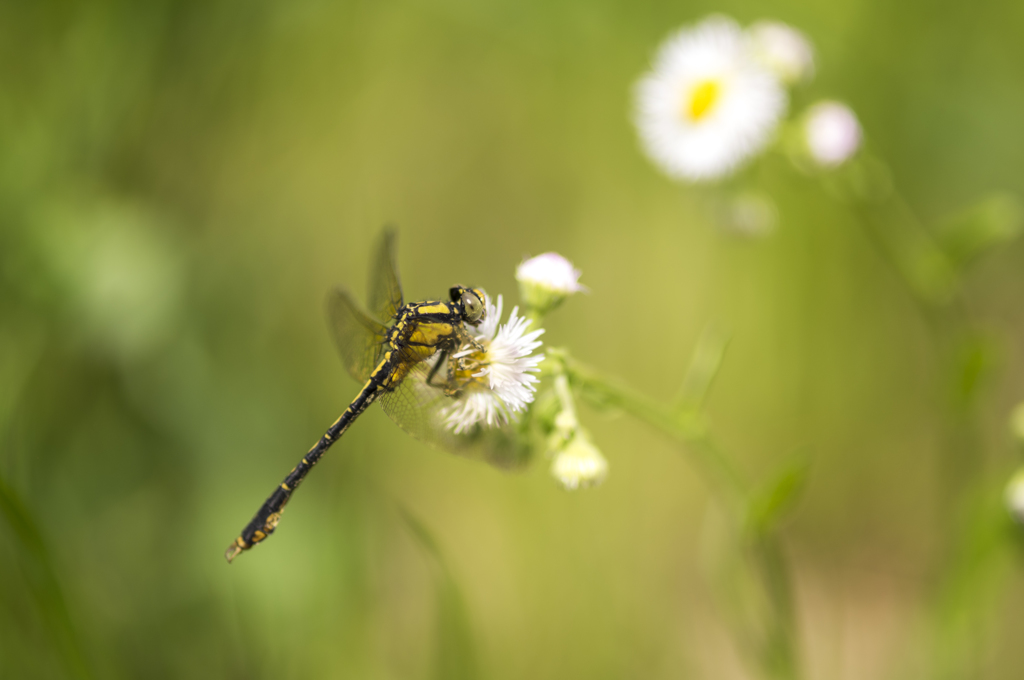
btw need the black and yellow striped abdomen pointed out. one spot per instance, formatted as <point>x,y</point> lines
<point>266,518</point>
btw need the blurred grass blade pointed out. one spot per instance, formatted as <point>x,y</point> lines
<point>976,577</point>
<point>778,651</point>
<point>704,365</point>
<point>975,363</point>
<point>770,504</point>
<point>455,655</point>
<point>42,582</point>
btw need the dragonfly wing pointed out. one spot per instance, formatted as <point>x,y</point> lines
<point>360,339</point>
<point>385,288</point>
<point>417,406</point>
<point>420,408</point>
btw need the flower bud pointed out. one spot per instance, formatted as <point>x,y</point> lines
<point>579,464</point>
<point>566,424</point>
<point>546,280</point>
<point>832,133</point>
<point>783,50</point>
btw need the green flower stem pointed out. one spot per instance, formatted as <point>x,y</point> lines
<point>535,317</point>
<point>770,641</point>
<point>565,396</point>
<point>685,428</point>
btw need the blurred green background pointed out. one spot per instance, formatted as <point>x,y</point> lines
<point>182,182</point>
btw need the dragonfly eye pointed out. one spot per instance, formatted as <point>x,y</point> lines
<point>473,307</point>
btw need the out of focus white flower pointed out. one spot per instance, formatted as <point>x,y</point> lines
<point>501,381</point>
<point>551,271</point>
<point>751,214</point>
<point>708,104</point>
<point>546,280</point>
<point>832,133</point>
<point>1015,495</point>
<point>579,464</point>
<point>783,49</point>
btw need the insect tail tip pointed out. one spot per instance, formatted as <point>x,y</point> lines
<point>232,552</point>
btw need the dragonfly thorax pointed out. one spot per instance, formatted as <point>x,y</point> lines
<point>423,328</point>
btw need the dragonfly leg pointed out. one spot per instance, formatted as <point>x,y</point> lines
<point>465,340</point>
<point>460,373</point>
<point>443,358</point>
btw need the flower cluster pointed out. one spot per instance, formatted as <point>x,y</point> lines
<point>717,93</point>
<point>496,373</point>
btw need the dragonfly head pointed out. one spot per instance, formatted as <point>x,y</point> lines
<point>470,302</point>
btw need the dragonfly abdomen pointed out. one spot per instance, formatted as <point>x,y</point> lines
<point>266,518</point>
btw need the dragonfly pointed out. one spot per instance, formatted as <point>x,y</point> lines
<point>408,358</point>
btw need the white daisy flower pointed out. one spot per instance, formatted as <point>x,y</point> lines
<point>708,104</point>
<point>579,464</point>
<point>783,49</point>
<point>1015,496</point>
<point>498,382</point>
<point>546,280</point>
<point>832,133</point>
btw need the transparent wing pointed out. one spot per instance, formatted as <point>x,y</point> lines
<point>385,289</point>
<point>420,407</point>
<point>360,339</point>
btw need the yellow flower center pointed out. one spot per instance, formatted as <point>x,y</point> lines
<point>702,100</point>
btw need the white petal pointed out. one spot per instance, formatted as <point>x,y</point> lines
<point>506,384</point>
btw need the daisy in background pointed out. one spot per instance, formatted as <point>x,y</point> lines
<point>708,103</point>
<point>497,382</point>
